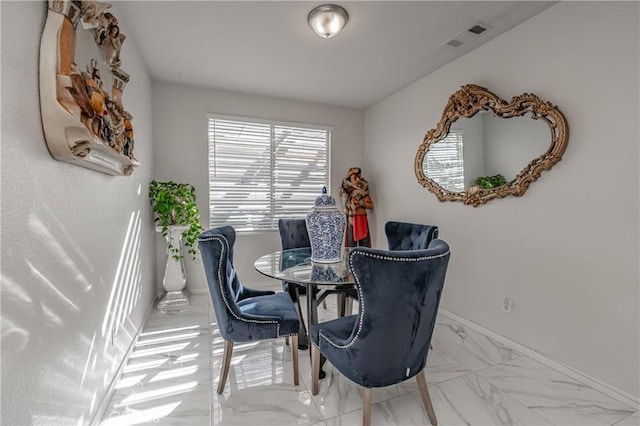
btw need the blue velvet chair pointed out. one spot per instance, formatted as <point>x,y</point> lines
<point>409,236</point>
<point>243,314</point>
<point>387,341</point>
<point>293,234</point>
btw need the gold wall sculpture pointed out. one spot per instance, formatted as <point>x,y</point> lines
<point>81,85</point>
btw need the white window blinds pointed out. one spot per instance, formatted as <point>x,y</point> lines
<point>445,163</point>
<point>260,172</point>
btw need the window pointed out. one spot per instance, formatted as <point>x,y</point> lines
<point>444,162</point>
<point>262,171</point>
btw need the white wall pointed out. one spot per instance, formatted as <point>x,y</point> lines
<point>473,147</point>
<point>65,232</point>
<point>180,132</point>
<point>512,144</point>
<point>567,251</point>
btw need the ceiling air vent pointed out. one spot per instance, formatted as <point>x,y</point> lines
<point>467,35</point>
<point>477,29</point>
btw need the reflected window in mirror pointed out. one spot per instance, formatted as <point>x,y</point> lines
<point>445,162</point>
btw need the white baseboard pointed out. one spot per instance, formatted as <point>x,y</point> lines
<point>104,403</point>
<point>617,394</point>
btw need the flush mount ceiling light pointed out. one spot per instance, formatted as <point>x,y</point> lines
<point>327,20</point>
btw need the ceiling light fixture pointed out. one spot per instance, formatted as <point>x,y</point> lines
<point>328,20</point>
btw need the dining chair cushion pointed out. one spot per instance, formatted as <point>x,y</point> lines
<point>339,329</point>
<point>409,236</point>
<point>278,307</point>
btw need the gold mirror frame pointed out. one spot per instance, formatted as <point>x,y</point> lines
<point>465,103</point>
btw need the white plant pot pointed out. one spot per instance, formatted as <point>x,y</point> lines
<point>174,282</point>
<point>174,278</point>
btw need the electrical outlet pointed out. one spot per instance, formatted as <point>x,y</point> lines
<point>507,304</point>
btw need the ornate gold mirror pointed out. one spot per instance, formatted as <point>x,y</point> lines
<point>475,155</point>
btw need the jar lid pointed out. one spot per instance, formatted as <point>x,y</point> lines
<point>325,200</point>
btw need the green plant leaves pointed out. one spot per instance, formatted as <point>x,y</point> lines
<point>175,204</point>
<point>489,182</point>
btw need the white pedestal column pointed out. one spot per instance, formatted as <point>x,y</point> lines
<point>176,297</point>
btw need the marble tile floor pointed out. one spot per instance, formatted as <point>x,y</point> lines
<point>171,376</point>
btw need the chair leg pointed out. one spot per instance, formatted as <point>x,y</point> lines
<point>302,331</point>
<point>286,340</point>
<point>226,362</point>
<point>294,355</point>
<point>349,309</point>
<point>342,301</point>
<point>315,369</point>
<point>366,406</point>
<point>426,400</point>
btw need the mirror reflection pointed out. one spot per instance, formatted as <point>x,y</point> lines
<point>481,147</point>
<point>485,148</point>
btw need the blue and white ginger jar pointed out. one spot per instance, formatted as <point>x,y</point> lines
<point>326,225</point>
<point>328,272</point>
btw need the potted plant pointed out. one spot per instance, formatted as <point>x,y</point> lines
<point>174,204</point>
<point>178,218</point>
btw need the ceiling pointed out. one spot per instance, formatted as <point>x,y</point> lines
<point>267,48</point>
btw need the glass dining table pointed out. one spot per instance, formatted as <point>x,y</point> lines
<point>320,279</point>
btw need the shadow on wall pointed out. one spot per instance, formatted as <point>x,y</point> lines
<point>42,301</point>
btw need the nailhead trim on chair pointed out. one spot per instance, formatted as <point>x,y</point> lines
<point>399,259</point>
<point>361,300</point>
<point>226,302</point>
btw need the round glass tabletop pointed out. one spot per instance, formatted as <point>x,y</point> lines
<point>295,265</point>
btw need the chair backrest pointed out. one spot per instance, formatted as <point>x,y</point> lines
<point>409,236</point>
<point>399,293</point>
<point>293,233</point>
<point>216,249</point>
